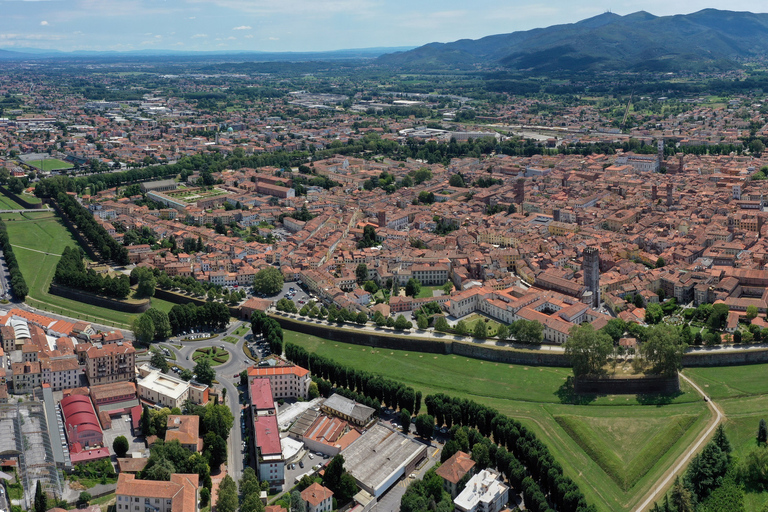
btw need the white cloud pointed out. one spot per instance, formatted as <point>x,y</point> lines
<point>197,36</point>
<point>249,36</point>
<point>242,27</point>
<point>43,23</point>
<point>274,38</point>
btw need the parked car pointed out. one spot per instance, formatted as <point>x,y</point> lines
<point>301,464</point>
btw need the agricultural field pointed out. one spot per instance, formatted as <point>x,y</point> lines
<point>38,239</point>
<point>615,446</point>
<point>50,164</point>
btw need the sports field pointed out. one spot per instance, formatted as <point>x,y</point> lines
<point>50,164</point>
<point>615,446</point>
<point>38,239</point>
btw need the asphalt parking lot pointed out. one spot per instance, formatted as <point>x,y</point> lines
<point>121,426</point>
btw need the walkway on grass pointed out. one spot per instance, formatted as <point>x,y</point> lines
<point>658,491</point>
<point>33,250</point>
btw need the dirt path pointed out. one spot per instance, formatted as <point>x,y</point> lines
<point>657,492</point>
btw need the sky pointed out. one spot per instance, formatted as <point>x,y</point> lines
<point>296,25</point>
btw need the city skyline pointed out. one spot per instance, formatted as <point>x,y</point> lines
<point>295,25</point>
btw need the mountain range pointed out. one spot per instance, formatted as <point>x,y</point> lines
<point>251,56</point>
<point>710,39</point>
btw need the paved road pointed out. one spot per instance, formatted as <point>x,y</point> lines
<point>225,375</point>
<point>660,488</point>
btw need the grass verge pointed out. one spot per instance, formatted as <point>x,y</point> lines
<point>535,396</point>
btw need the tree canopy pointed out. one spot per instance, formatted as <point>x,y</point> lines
<point>588,349</point>
<point>268,281</point>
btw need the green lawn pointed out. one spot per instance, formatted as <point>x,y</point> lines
<point>30,198</point>
<point>242,330</point>
<point>633,437</point>
<point>6,203</point>
<point>50,164</point>
<point>742,394</point>
<point>426,291</point>
<point>215,355</point>
<point>32,235</point>
<point>162,305</point>
<point>471,321</point>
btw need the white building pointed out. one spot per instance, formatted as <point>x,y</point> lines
<point>167,390</point>
<point>484,492</point>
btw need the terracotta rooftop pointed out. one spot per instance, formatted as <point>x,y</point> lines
<point>456,467</point>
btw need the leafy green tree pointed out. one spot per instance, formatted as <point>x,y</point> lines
<point>159,361</point>
<point>751,312</point>
<point>205,497</point>
<point>615,328</point>
<point>268,281</point>
<point>718,317</point>
<point>721,440</point>
<point>401,323</point>
<point>147,284</point>
<point>361,273</point>
<point>361,318</point>
<point>480,330</point>
<point>297,504</point>
<point>422,322</point>
<point>412,287</point>
<point>587,349</point>
<point>143,329</point>
<point>653,313</point>
<point>461,328</point>
<point>762,433</point>
<point>120,446</point>
<point>502,332</point>
<point>663,348</point>
<point>706,471</point>
<point>456,180</point>
<point>205,373</point>
<point>447,287</point>
<point>227,497</point>
<point>753,470</point>
<point>529,331</point>
<point>441,324</point>
<point>660,262</point>
<point>84,498</point>
<point>425,425</point>
<point>681,497</point>
<point>405,420</point>
<point>481,456</point>
<point>41,500</point>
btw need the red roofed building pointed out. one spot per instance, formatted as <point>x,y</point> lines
<point>269,452</point>
<point>453,470</point>
<point>178,495</point>
<point>317,498</point>
<point>287,380</point>
<point>185,430</point>
<point>262,401</point>
<point>104,364</point>
<point>80,422</point>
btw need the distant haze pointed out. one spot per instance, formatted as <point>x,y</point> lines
<point>294,25</point>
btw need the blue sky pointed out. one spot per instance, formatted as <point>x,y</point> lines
<point>295,25</point>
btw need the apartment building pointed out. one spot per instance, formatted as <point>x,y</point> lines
<point>104,364</point>
<point>180,494</point>
<point>287,381</point>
